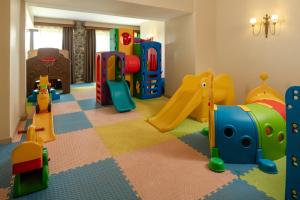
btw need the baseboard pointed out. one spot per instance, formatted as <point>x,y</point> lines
<point>6,141</point>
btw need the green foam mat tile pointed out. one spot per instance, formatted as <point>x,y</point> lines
<point>272,184</point>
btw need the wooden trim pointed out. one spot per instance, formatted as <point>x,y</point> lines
<point>106,28</point>
<point>98,28</point>
<point>72,25</point>
<point>52,24</point>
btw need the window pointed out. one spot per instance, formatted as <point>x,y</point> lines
<point>102,41</point>
<point>48,37</point>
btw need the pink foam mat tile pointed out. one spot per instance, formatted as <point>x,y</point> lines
<point>66,107</point>
<point>171,170</point>
<point>4,193</point>
<point>75,149</point>
<point>86,94</point>
<point>105,116</point>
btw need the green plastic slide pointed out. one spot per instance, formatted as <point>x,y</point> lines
<point>120,95</point>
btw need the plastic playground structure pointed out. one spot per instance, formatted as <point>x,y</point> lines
<point>192,98</point>
<point>131,68</point>
<point>255,130</point>
<point>30,159</point>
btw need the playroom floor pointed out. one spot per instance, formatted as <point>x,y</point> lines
<point>101,154</point>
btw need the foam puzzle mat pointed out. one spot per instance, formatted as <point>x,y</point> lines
<point>102,154</point>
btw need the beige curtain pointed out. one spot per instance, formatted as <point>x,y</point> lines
<point>90,55</point>
<point>67,44</point>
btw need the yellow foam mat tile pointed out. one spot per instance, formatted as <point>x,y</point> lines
<point>188,126</point>
<point>150,107</point>
<point>130,135</point>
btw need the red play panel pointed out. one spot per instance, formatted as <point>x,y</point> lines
<point>279,107</point>
<point>27,166</point>
<point>48,59</point>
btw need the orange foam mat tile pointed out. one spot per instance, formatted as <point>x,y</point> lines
<point>65,107</point>
<point>171,170</point>
<point>106,116</point>
<point>75,149</point>
<point>4,193</point>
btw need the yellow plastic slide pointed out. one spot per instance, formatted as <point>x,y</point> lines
<point>192,98</point>
<point>183,102</point>
<point>45,120</point>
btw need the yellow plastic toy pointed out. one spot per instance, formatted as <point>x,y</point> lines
<point>223,93</point>
<point>45,120</point>
<point>43,117</point>
<point>192,98</point>
<point>30,164</point>
<point>44,80</point>
<point>43,98</point>
<point>264,91</point>
<point>43,101</point>
<point>33,136</point>
<point>31,149</point>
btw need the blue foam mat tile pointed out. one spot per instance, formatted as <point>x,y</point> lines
<point>238,190</point>
<point>239,169</point>
<point>101,180</point>
<point>65,98</point>
<point>71,122</point>
<point>198,141</point>
<point>5,164</point>
<point>89,104</point>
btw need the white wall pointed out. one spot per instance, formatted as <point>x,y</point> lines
<point>155,29</point>
<point>190,43</point>
<point>205,35</point>
<point>29,18</point>
<point>14,63</point>
<point>4,65</point>
<point>180,51</point>
<point>245,56</point>
<point>22,61</point>
<point>12,77</point>
<point>222,40</point>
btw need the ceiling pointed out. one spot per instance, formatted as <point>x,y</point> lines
<point>140,9</point>
<point>83,16</point>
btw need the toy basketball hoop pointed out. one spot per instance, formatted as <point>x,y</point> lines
<point>49,61</point>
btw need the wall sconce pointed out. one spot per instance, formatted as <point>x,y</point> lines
<point>268,22</point>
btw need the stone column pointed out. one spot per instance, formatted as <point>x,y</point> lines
<point>79,51</point>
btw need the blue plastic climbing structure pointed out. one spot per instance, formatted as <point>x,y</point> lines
<point>148,81</point>
<point>292,98</point>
